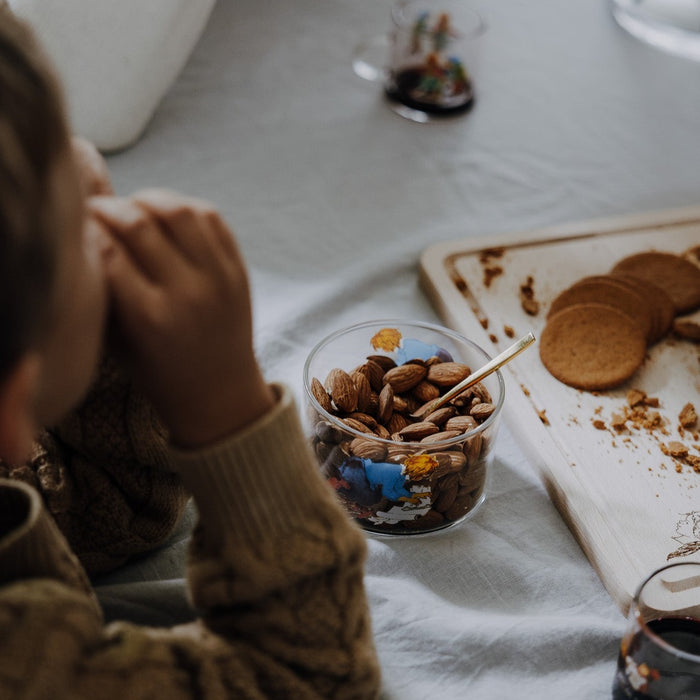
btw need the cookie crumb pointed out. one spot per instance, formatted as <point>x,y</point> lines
<point>688,417</point>
<point>528,302</point>
<point>543,416</point>
<point>686,328</point>
<point>635,397</point>
<point>490,273</point>
<point>694,462</point>
<point>489,253</point>
<point>508,330</point>
<point>618,421</point>
<point>675,449</point>
<point>598,424</point>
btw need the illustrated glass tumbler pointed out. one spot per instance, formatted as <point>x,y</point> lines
<point>660,652</point>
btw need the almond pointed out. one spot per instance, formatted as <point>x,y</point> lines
<point>375,374</point>
<point>447,374</point>
<point>327,432</point>
<point>383,432</point>
<point>386,404</point>
<point>446,498</point>
<point>366,419</point>
<point>400,404</point>
<point>342,389</point>
<point>357,425</point>
<point>460,507</point>
<point>440,436</point>
<point>473,478</point>
<point>364,390</point>
<point>368,449</point>
<point>482,411</point>
<point>397,450</point>
<point>465,399</point>
<point>384,361</point>
<point>321,396</point>
<point>373,405</point>
<point>459,461</point>
<point>446,465</point>
<point>425,391</point>
<point>418,431</point>
<point>447,481</point>
<point>405,377</point>
<point>397,422</point>
<point>442,415</point>
<point>482,392</point>
<point>462,423</point>
<point>416,361</point>
<point>472,448</point>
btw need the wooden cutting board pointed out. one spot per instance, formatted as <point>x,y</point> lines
<point>631,507</point>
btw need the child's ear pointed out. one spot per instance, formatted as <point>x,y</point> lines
<point>17,411</point>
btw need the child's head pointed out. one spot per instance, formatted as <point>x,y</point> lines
<point>51,288</point>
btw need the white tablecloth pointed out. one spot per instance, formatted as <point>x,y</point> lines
<point>333,198</point>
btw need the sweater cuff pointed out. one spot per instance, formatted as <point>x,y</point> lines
<point>261,481</point>
<point>31,545</point>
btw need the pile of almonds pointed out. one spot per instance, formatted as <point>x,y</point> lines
<point>376,400</point>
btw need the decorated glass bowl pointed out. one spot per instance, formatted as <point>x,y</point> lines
<point>396,469</point>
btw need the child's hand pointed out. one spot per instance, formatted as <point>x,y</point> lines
<point>92,169</point>
<point>182,304</point>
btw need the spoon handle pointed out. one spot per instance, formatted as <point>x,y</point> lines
<point>475,377</point>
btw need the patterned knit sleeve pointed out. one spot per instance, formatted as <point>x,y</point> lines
<point>276,574</point>
<point>105,475</point>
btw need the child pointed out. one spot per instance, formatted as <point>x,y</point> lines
<point>276,566</point>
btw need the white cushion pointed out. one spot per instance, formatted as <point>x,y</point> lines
<point>116,58</point>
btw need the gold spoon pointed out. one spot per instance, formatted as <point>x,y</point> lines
<point>475,377</point>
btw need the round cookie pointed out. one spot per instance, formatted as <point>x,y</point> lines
<point>603,289</point>
<point>657,301</point>
<point>592,346</point>
<point>678,277</point>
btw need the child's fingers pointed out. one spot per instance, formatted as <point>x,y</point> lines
<point>193,224</point>
<point>132,293</point>
<point>140,236</point>
<point>92,169</point>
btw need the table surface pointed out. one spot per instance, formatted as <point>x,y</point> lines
<point>333,198</point>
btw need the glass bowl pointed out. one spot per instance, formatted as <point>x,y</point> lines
<point>396,474</point>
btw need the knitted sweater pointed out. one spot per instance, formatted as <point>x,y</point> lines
<point>275,572</point>
<point>105,474</point>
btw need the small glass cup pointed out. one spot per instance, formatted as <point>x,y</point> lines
<point>394,474</point>
<point>428,61</point>
<point>660,651</point>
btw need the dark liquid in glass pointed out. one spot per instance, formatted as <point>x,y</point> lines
<point>406,88</point>
<point>677,677</point>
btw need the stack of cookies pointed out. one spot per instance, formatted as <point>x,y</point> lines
<point>599,328</point>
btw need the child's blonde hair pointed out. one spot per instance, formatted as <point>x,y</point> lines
<point>33,134</point>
